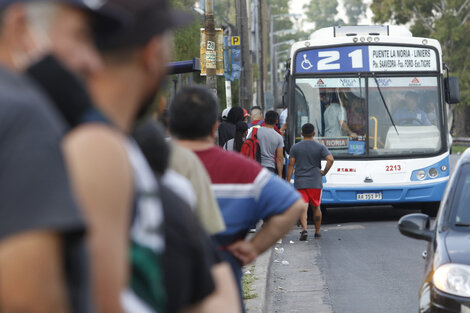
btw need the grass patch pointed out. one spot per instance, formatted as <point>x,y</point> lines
<point>458,149</point>
<point>247,285</point>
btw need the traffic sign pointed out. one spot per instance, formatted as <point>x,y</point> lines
<point>235,40</point>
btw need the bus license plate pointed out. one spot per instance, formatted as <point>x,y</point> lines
<point>369,196</point>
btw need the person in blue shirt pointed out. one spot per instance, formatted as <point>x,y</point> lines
<point>409,114</point>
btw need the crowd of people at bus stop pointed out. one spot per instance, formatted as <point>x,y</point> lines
<point>102,209</point>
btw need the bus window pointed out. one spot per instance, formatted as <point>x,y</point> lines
<point>405,113</point>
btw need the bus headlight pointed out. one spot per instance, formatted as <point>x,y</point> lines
<point>421,175</point>
<point>453,279</point>
<point>433,172</point>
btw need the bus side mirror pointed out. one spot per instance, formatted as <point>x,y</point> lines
<point>452,90</point>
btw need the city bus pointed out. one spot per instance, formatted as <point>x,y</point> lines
<point>378,98</point>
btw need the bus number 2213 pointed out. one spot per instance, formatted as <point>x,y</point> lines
<point>393,168</point>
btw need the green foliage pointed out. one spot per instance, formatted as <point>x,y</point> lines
<point>247,285</point>
<point>355,10</point>
<point>323,13</point>
<point>446,21</point>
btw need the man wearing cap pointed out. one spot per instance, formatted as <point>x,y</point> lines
<point>115,185</point>
<point>42,257</point>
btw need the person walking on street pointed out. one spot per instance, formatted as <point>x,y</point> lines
<point>306,157</point>
<point>271,144</point>
<point>235,144</point>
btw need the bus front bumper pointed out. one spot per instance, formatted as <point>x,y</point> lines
<point>354,195</point>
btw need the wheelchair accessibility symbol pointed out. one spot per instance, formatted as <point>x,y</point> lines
<point>306,65</point>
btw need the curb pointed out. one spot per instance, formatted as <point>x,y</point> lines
<point>260,268</point>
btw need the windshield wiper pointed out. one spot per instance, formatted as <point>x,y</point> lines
<point>462,224</point>
<point>385,104</point>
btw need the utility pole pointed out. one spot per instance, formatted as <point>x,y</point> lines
<point>211,52</point>
<point>246,78</point>
<point>261,60</point>
<point>265,47</point>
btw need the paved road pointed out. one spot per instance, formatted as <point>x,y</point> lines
<point>361,265</point>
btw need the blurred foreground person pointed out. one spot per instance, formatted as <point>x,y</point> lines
<point>43,265</point>
<point>114,184</point>
<point>196,279</point>
<point>245,191</point>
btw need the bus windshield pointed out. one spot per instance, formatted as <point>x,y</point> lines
<point>368,116</point>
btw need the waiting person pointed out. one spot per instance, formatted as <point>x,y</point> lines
<point>257,116</point>
<point>246,116</point>
<point>43,264</point>
<point>193,121</point>
<point>410,114</point>
<point>196,279</point>
<point>183,161</point>
<point>227,127</point>
<point>306,157</point>
<point>271,144</point>
<point>235,144</point>
<point>114,184</point>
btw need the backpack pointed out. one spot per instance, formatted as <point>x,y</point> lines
<point>251,148</point>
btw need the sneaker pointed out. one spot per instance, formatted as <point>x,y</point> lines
<point>317,235</point>
<point>303,235</point>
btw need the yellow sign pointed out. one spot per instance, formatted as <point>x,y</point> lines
<point>235,40</point>
<point>212,54</point>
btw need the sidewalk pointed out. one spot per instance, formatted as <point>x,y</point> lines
<point>260,269</point>
<point>302,269</point>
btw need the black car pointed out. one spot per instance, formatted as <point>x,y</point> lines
<point>446,287</point>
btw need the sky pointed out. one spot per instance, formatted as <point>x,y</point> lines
<point>296,7</point>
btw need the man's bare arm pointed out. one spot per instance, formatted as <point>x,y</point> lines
<point>329,162</point>
<point>225,298</point>
<point>280,160</point>
<point>102,180</point>
<point>290,169</point>
<point>273,229</point>
<point>31,274</point>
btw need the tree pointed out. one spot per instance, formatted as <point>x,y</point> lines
<point>446,21</point>
<point>355,9</point>
<point>323,13</point>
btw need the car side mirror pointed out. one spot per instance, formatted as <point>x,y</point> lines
<point>452,92</point>
<point>417,226</point>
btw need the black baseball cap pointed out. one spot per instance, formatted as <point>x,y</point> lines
<point>148,18</point>
<point>107,18</point>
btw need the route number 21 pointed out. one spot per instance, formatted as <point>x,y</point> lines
<point>329,60</point>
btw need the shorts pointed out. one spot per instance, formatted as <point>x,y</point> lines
<point>311,195</point>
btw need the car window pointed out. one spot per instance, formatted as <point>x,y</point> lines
<point>462,197</point>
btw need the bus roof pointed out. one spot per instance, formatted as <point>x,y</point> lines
<point>361,30</point>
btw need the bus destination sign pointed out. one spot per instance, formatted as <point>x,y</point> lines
<point>366,59</point>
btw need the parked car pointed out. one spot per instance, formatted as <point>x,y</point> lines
<point>446,286</point>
